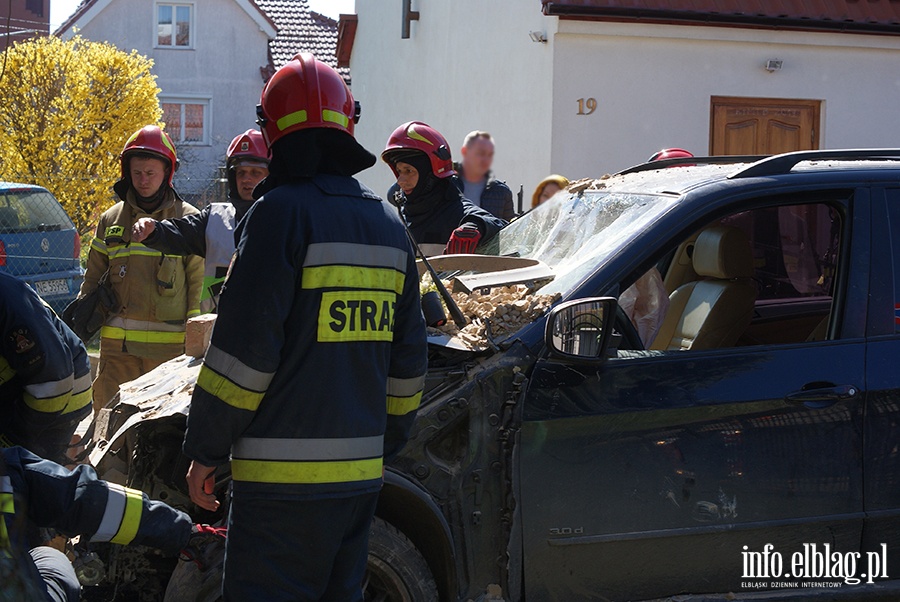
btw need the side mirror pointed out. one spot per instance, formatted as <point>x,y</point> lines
<point>581,329</point>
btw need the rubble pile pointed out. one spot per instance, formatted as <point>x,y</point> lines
<point>495,313</point>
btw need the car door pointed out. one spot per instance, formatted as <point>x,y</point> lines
<point>656,473</point>
<point>882,428</point>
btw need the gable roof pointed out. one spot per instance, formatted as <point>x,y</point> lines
<point>301,30</point>
<point>848,16</point>
<point>88,9</point>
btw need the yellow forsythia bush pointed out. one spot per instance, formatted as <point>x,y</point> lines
<point>66,109</point>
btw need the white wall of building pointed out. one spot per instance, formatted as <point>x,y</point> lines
<point>653,85</point>
<point>223,65</point>
<point>468,64</point>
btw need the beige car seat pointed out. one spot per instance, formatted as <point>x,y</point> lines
<point>712,313</point>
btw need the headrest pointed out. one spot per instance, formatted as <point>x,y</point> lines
<point>723,252</point>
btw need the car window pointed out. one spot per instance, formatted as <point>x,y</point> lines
<point>764,276</point>
<point>30,211</point>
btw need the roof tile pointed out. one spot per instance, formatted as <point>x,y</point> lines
<point>301,30</point>
<point>861,16</point>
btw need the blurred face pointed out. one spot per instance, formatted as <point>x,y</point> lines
<point>407,177</point>
<point>477,158</point>
<point>549,190</point>
<point>247,177</point>
<point>147,175</point>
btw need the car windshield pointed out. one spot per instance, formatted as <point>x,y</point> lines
<point>574,233</point>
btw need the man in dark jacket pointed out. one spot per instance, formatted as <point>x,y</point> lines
<point>476,179</point>
<point>45,374</point>
<point>317,362</point>
<point>210,234</point>
<point>440,218</point>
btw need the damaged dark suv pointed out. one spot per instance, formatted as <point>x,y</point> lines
<point>711,407</point>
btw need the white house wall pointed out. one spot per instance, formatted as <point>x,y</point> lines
<point>229,48</point>
<point>653,84</point>
<point>468,64</point>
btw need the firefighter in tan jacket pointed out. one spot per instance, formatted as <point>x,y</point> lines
<point>156,292</point>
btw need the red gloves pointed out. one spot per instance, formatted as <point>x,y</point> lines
<point>463,240</point>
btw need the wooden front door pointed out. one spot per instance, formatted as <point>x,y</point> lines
<point>762,126</point>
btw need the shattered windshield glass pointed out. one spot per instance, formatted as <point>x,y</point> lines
<point>573,233</point>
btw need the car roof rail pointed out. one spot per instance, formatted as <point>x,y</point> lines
<point>687,161</point>
<point>783,164</point>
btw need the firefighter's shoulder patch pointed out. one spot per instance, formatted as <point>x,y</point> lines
<point>20,340</point>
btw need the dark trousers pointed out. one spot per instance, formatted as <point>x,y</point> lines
<point>297,550</point>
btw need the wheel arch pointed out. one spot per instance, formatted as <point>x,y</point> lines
<point>412,511</point>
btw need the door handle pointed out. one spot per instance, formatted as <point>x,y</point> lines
<point>822,396</point>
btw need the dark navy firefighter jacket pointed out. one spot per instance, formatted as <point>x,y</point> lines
<point>317,360</point>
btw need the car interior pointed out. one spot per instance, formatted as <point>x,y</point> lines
<point>759,277</point>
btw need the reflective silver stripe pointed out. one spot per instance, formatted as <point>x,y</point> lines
<point>127,324</point>
<point>5,485</point>
<point>82,384</point>
<point>252,448</point>
<point>49,389</point>
<point>345,253</point>
<point>237,371</point>
<point>112,515</point>
<point>405,387</point>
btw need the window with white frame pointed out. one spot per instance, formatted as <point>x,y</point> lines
<point>174,23</point>
<point>187,119</point>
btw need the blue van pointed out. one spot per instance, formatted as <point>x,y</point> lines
<point>39,243</point>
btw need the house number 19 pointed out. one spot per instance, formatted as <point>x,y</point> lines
<point>586,103</point>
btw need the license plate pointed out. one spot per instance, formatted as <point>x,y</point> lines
<point>52,287</point>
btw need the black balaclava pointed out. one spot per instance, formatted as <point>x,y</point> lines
<point>430,190</point>
<point>307,153</point>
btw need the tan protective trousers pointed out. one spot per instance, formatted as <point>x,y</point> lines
<point>115,368</point>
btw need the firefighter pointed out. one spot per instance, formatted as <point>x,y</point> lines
<point>317,361</point>
<point>45,374</point>
<point>156,292</point>
<point>440,218</point>
<point>40,493</point>
<point>211,233</point>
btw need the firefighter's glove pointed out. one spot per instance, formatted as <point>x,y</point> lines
<point>463,240</point>
<point>205,546</point>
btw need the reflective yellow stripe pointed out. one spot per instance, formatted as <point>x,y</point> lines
<point>131,519</point>
<point>7,506</point>
<point>347,471</point>
<point>78,401</point>
<point>335,117</point>
<point>142,336</point>
<point>217,385</point>
<point>193,312</point>
<point>400,406</point>
<point>49,405</point>
<point>291,119</point>
<point>7,373</point>
<point>98,245</point>
<point>353,277</point>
